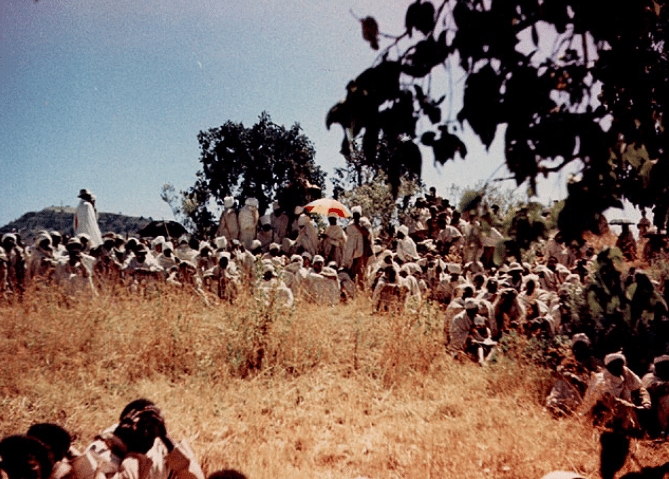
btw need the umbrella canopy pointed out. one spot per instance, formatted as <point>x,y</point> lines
<point>168,228</point>
<point>327,206</point>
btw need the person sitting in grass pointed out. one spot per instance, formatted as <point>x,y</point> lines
<point>139,447</point>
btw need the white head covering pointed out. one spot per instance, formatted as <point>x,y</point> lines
<point>357,209</point>
<point>229,201</point>
<point>471,303</point>
<point>303,220</point>
<point>221,242</point>
<point>251,202</point>
<point>613,356</point>
<point>265,220</point>
<point>158,240</point>
<point>404,229</point>
<point>298,210</point>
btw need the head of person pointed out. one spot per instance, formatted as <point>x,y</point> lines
<point>54,437</point>
<point>661,365</point>
<point>478,280</point>
<point>9,241</point>
<point>56,238</point>
<point>468,292</point>
<point>479,322</point>
<point>318,263</point>
<point>274,249</point>
<point>256,247</point>
<point>140,423</point>
<point>141,252</point>
<point>471,307</point>
<point>356,211</point>
<point>332,219</point>
<point>580,346</point>
<point>74,248</point>
<point>44,242</point>
<point>530,286</point>
<point>268,273</point>
<point>615,363</point>
<point>224,260</point>
<point>492,285</point>
<point>25,457</point>
<point>86,195</point>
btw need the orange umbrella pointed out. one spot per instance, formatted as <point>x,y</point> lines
<point>327,206</point>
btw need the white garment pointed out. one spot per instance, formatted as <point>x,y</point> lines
<point>86,221</point>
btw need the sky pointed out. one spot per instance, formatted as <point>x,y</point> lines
<point>111,96</point>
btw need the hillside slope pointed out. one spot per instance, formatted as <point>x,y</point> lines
<point>61,218</point>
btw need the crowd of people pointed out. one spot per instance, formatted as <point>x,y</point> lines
<point>439,255</point>
<point>137,447</point>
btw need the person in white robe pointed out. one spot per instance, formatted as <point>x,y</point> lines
<point>86,218</point>
<point>248,222</point>
<point>307,237</point>
<point>406,247</point>
<point>228,226</point>
<point>334,241</point>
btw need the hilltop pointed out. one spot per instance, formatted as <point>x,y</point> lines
<point>61,218</point>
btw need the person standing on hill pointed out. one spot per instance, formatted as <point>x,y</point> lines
<point>86,218</point>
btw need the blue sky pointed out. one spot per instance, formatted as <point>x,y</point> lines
<point>110,96</point>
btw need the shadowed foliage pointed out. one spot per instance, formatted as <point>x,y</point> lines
<point>566,82</point>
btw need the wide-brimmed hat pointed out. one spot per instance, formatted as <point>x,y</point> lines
<point>86,193</point>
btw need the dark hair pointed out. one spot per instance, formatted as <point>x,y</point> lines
<point>53,436</point>
<point>136,405</point>
<point>20,454</point>
<point>226,474</point>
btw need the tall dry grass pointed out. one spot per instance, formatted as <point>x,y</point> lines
<point>305,392</point>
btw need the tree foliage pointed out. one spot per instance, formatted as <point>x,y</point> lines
<point>572,81</point>
<point>266,161</point>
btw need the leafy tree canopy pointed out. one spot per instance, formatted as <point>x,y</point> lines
<point>266,161</point>
<point>572,81</point>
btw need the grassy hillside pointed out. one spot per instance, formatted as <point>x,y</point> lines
<point>61,218</point>
<point>302,393</point>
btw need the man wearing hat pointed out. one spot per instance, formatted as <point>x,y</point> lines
<point>229,224</point>
<point>461,325</point>
<point>613,390</point>
<point>86,219</point>
<point>358,247</point>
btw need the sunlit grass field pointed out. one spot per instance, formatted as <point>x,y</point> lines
<point>306,392</point>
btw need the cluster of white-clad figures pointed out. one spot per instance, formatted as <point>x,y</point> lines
<point>137,447</point>
<point>441,256</point>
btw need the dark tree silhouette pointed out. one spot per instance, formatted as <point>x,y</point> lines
<point>266,161</point>
<point>571,81</point>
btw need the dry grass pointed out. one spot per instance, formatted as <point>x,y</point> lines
<point>340,392</point>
